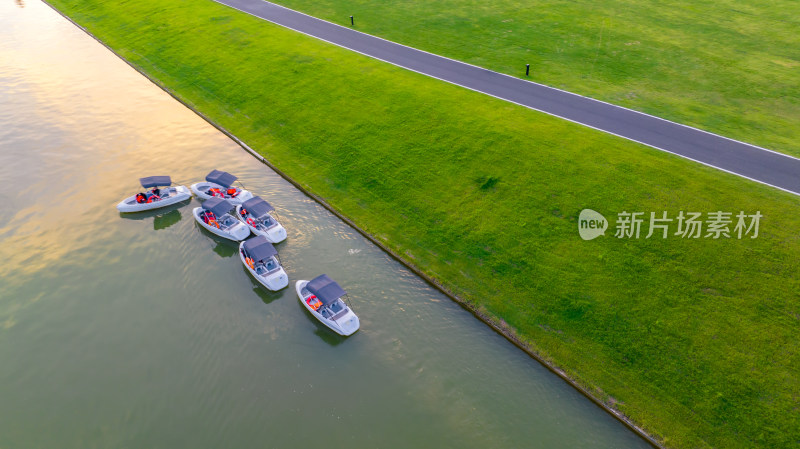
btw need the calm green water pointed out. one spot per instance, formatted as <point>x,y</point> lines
<point>146,331</point>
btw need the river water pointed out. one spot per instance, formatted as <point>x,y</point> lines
<point>146,331</point>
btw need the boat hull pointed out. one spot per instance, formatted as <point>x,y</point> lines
<point>236,232</point>
<point>130,205</point>
<point>273,281</point>
<point>200,189</point>
<point>345,326</point>
<point>275,234</point>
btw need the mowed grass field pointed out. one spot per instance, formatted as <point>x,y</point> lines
<point>728,66</point>
<point>694,339</point>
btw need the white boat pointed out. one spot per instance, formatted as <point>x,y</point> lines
<point>155,197</point>
<point>261,259</point>
<point>219,184</point>
<point>214,216</point>
<point>323,298</point>
<point>256,214</point>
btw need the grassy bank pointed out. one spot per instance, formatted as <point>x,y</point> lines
<point>728,66</point>
<point>693,339</point>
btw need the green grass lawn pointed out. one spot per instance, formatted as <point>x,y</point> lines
<point>729,66</point>
<point>695,340</point>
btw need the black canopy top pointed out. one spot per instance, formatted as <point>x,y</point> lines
<point>217,206</point>
<point>257,206</point>
<point>155,181</point>
<point>259,249</point>
<point>326,289</point>
<point>222,178</point>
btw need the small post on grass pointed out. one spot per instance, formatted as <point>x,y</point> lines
<point>351,21</point>
<point>527,70</point>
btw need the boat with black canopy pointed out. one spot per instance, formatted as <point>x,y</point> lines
<point>257,214</point>
<point>325,299</point>
<point>219,184</point>
<point>215,217</point>
<point>158,193</point>
<point>261,259</point>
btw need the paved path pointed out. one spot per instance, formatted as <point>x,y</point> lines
<point>739,158</point>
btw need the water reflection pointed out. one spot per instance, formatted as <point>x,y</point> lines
<point>327,335</point>
<point>224,248</point>
<point>265,295</point>
<point>166,220</point>
<point>163,217</point>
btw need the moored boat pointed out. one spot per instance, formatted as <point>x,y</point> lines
<point>323,297</point>
<point>158,193</point>
<point>261,260</point>
<point>257,214</point>
<point>219,184</point>
<point>215,217</point>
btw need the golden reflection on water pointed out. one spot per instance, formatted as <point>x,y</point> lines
<point>84,133</point>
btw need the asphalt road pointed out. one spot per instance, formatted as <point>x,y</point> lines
<point>732,156</point>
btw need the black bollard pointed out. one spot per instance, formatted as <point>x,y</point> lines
<point>527,70</point>
<point>351,21</point>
